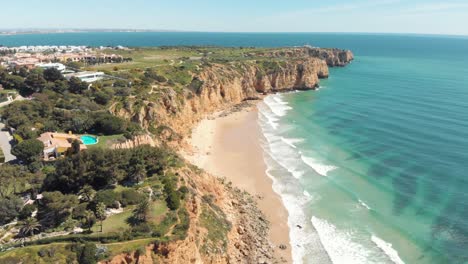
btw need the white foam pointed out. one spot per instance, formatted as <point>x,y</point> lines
<point>277,105</point>
<point>388,249</point>
<point>339,245</point>
<point>318,167</point>
<point>267,116</point>
<point>300,239</point>
<point>292,141</point>
<point>364,204</point>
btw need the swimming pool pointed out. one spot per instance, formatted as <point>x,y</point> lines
<point>89,140</point>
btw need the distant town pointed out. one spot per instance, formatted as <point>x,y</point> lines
<point>57,31</point>
<point>66,59</point>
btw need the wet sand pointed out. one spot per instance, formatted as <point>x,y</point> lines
<point>229,146</point>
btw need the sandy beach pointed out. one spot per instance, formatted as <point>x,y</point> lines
<point>228,145</point>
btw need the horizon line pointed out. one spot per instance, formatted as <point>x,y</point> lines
<point>38,31</point>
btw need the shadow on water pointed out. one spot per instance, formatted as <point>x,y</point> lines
<point>450,229</point>
<point>405,184</point>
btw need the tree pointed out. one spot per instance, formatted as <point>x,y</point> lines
<point>60,86</point>
<point>23,72</point>
<point>52,74</point>
<point>29,227</point>
<point>9,209</point>
<point>87,193</point>
<point>87,254</point>
<point>76,85</point>
<point>34,83</point>
<point>26,212</point>
<point>56,208</point>
<point>172,196</point>
<point>100,212</point>
<point>75,147</point>
<point>140,213</point>
<point>28,150</point>
<point>89,220</point>
<point>108,197</point>
<point>139,173</point>
<point>11,81</point>
<point>131,197</point>
<point>173,200</point>
<point>108,124</point>
<point>74,65</point>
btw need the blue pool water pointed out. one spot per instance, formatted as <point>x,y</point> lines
<point>89,140</point>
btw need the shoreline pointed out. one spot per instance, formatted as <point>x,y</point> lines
<point>227,144</point>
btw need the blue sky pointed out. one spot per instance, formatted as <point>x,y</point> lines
<point>379,16</point>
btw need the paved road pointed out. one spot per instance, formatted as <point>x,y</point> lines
<point>5,139</point>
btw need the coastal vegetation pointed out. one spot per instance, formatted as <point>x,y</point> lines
<point>123,194</point>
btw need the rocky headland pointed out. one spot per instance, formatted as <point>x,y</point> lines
<point>217,87</point>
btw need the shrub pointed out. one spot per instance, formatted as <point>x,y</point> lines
<point>107,197</point>
<point>27,211</point>
<point>173,200</point>
<point>131,197</point>
<point>9,209</point>
<point>180,230</point>
<point>87,254</point>
<point>28,150</point>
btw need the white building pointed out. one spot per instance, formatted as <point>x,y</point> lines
<point>86,76</point>
<point>58,66</point>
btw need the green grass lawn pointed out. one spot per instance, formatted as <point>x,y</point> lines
<point>157,211</point>
<point>118,222</point>
<point>53,253</point>
<point>129,246</point>
<point>114,223</point>
<point>106,141</point>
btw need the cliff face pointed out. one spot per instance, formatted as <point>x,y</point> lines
<point>216,87</point>
<point>219,86</point>
<point>243,242</point>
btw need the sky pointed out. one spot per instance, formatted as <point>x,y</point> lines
<point>373,16</point>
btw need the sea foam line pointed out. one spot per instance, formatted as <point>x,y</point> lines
<point>318,167</point>
<point>364,204</point>
<point>277,105</point>
<point>339,245</point>
<point>388,249</point>
<point>292,141</point>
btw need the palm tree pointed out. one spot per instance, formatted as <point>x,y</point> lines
<point>87,193</point>
<point>89,219</point>
<point>28,228</point>
<point>141,211</point>
<point>100,212</point>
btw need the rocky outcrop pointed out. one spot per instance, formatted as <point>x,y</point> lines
<point>135,142</point>
<point>333,57</point>
<point>247,237</point>
<point>219,86</point>
<point>216,87</point>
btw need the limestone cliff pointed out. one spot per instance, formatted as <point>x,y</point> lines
<point>244,241</point>
<point>215,87</point>
<point>219,86</point>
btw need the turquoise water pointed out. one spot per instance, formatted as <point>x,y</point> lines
<point>89,140</point>
<point>373,166</point>
<point>375,160</point>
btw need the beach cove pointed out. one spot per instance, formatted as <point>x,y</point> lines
<point>227,145</point>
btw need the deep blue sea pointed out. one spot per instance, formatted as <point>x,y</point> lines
<point>373,166</point>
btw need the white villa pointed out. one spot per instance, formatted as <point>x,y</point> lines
<point>58,66</point>
<point>86,76</point>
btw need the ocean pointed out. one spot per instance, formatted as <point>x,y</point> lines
<point>373,166</point>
